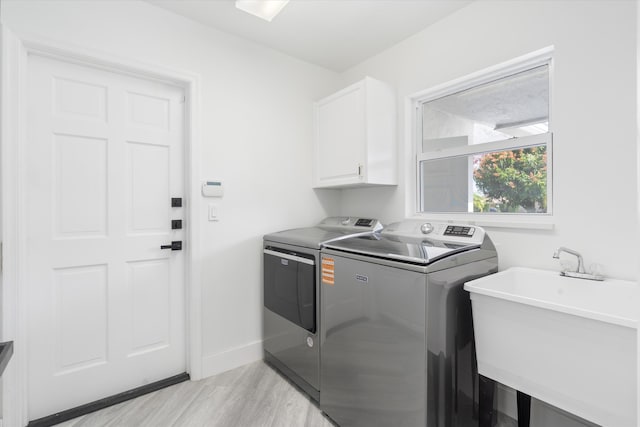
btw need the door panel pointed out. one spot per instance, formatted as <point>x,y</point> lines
<point>79,187</point>
<point>148,111</point>
<point>80,293</point>
<point>80,98</point>
<point>106,304</point>
<point>150,292</point>
<point>148,174</point>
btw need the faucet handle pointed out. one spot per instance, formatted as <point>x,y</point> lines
<point>566,265</point>
<point>595,269</point>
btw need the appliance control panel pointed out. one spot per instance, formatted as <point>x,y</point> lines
<point>436,231</point>
<point>458,230</point>
<point>347,223</point>
<point>364,222</point>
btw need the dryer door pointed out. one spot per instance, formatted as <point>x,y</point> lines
<point>289,286</point>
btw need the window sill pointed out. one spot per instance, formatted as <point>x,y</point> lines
<point>520,222</point>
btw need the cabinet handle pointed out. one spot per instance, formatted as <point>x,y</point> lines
<point>359,170</point>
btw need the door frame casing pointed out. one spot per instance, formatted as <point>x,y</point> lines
<point>15,50</point>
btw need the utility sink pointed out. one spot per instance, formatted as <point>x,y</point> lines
<point>566,341</point>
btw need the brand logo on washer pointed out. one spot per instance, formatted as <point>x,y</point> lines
<point>361,278</point>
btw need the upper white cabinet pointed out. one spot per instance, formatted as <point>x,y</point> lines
<point>355,134</point>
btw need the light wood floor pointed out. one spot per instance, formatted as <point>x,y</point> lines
<point>250,396</point>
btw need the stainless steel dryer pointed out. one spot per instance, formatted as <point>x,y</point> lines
<point>396,329</point>
<point>291,296</point>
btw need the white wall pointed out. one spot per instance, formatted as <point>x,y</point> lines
<point>593,114</point>
<point>638,181</point>
<point>256,132</point>
<point>256,137</point>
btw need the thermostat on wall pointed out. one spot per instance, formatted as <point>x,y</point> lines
<point>212,189</point>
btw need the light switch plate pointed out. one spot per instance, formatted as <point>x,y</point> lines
<point>214,212</point>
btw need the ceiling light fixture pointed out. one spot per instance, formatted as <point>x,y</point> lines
<point>265,9</point>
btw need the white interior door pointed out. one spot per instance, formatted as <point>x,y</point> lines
<point>105,302</point>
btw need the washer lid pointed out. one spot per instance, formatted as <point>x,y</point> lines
<point>412,250</point>
<point>312,237</point>
<point>329,229</point>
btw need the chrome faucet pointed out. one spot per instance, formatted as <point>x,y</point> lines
<point>580,273</point>
<point>556,255</point>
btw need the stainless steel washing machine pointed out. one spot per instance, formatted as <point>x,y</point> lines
<point>396,329</point>
<point>291,296</point>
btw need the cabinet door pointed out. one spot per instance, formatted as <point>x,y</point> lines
<point>340,138</point>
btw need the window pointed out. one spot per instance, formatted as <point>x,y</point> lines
<point>484,146</point>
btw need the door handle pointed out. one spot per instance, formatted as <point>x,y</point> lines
<point>174,246</point>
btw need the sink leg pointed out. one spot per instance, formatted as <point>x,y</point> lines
<point>524,409</point>
<point>486,388</point>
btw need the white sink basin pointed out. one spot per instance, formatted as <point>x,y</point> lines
<point>569,342</point>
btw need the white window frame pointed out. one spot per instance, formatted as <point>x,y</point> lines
<point>502,219</point>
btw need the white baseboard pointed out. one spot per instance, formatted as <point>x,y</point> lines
<point>231,359</point>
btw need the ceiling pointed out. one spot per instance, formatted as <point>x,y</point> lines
<point>335,34</point>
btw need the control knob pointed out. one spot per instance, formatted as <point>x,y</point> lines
<point>426,228</point>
